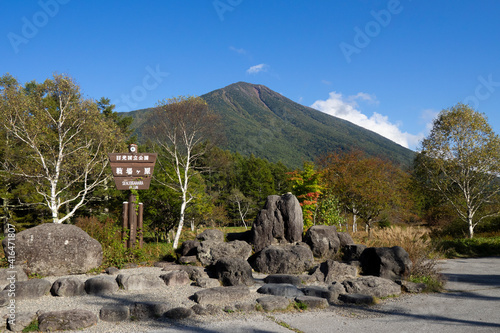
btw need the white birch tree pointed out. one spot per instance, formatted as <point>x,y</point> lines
<point>56,140</point>
<point>180,127</point>
<point>461,160</point>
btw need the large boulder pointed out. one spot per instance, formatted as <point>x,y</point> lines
<point>323,240</point>
<point>372,285</point>
<point>286,259</point>
<point>33,288</point>
<point>75,319</point>
<point>220,295</point>
<point>234,271</point>
<point>56,249</point>
<point>210,251</point>
<point>333,271</point>
<point>280,221</point>
<point>387,262</point>
<point>211,235</point>
<point>68,286</point>
<point>139,281</point>
<point>352,252</point>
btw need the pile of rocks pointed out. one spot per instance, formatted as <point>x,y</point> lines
<point>284,269</point>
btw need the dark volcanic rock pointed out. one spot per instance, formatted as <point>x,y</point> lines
<point>387,262</point>
<point>286,259</point>
<point>323,240</point>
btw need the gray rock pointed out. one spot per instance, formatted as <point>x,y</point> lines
<point>148,310</point>
<point>139,281</point>
<point>280,221</point>
<point>101,285</point>
<point>357,299</point>
<point>412,287</point>
<point>316,291</point>
<point>75,319</point>
<point>286,259</point>
<point>193,272</point>
<point>285,290</point>
<point>372,285</point>
<point>211,251</point>
<point>207,282</point>
<point>31,289</point>
<point>8,275</point>
<point>345,239</point>
<point>209,310</point>
<point>352,252</point>
<point>53,249</point>
<point>188,260</point>
<point>211,235</point>
<point>112,271</point>
<point>164,264</point>
<point>114,313</point>
<point>220,295</point>
<point>70,286</point>
<point>179,313</point>
<point>313,302</point>
<point>337,289</point>
<point>323,240</point>
<point>283,278</point>
<point>23,319</point>
<point>5,299</point>
<point>387,262</point>
<point>234,271</point>
<point>273,303</point>
<point>331,271</point>
<point>245,307</point>
<point>176,278</point>
<point>190,247</point>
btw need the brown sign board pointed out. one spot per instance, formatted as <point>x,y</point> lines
<point>132,171</point>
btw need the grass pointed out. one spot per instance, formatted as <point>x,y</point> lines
<point>467,247</point>
<point>32,327</point>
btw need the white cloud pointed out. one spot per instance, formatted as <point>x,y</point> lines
<point>348,109</point>
<point>239,51</point>
<point>257,69</point>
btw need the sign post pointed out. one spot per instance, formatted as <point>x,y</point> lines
<point>132,171</point>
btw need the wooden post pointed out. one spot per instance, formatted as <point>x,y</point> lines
<point>125,223</point>
<point>140,224</point>
<point>132,221</point>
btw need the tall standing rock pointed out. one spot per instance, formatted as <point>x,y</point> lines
<point>56,249</point>
<point>280,221</point>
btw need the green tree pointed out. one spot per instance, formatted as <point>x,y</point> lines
<point>56,140</point>
<point>461,160</point>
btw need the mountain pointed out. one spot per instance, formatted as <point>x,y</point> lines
<point>259,121</point>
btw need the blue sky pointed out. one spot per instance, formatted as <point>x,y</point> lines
<point>390,66</point>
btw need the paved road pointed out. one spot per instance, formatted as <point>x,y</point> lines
<point>471,303</point>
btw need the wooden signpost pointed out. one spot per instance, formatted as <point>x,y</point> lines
<point>132,171</point>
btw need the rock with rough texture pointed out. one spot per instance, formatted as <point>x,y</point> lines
<point>148,310</point>
<point>220,295</point>
<point>53,249</point>
<point>357,299</point>
<point>286,259</point>
<point>204,282</point>
<point>176,278</point>
<point>189,248</point>
<point>352,252</point>
<point>312,302</point>
<point>331,271</point>
<point>112,270</point>
<point>387,262</point>
<point>179,313</point>
<point>345,239</point>
<point>114,313</point>
<point>412,287</point>
<point>139,281</point>
<point>31,289</point>
<point>209,310</point>
<point>193,272</point>
<point>188,260</point>
<point>321,292</point>
<point>280,221</point>
<point>73,320</point>
<point>8,275</point>
<point>283,278</point>
<point>234,271</point>
<point>101,285</point>
<point>337,289</point>
<point>211,251</point>
<point>273,303</point>
<point>70,286</point>
<point>285,290</point>
<point>23,319</point>
<point>372,285</point>
<point>211,235</point>
<point>323,240</point>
